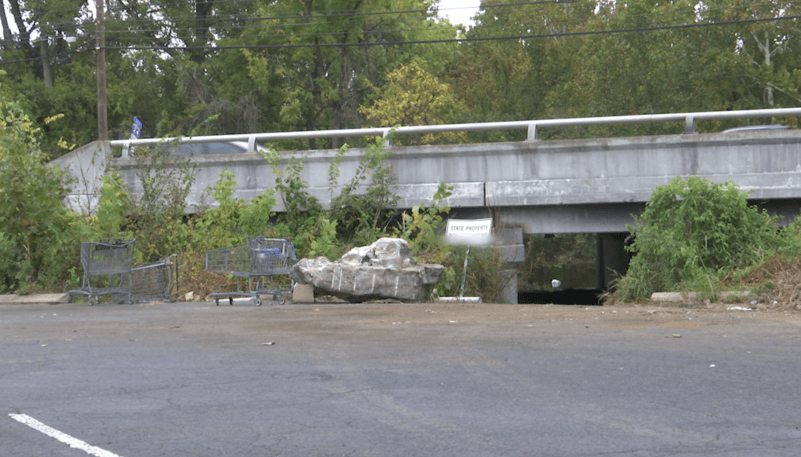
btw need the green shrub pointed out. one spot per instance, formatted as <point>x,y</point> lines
<point>364,207</point>
<point>691,233</point>
<point>422,227</point>
<point>37,231</point>
<point>157,215</point>
<point>113,209</point>
<point>301,209</point>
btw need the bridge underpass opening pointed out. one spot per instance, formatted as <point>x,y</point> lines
<point>585,264</point>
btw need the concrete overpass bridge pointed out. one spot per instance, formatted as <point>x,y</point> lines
<point>539,187</point>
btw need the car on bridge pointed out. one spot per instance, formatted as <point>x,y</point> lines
<point>210,148</point>
<point>751,128</point>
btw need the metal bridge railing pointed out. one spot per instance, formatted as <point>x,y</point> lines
<point>532,126</point>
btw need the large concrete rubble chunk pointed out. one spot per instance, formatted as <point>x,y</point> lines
<point>385,269</point>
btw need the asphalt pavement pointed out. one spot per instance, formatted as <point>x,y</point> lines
<point>194,379</point>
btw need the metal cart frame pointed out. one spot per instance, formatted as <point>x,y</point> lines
<point>109,258</point>
<point>155,281</point>
<point>258,260</point>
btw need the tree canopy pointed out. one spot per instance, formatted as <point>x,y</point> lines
<point>221,67</point>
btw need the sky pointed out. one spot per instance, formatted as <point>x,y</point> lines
<point>459,11</point>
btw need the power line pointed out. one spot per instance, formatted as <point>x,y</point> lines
<point>120,34</point>
<point>463,40</point>
<point>437,41</point>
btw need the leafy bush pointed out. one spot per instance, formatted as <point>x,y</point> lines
<point>113,209</point>
<point>37,230</point>
<point>422,227</point>
<point>216,227</point>
<point>365,205</point>
<point>301,209</point>
<point>157,215</point>
<point>691,233</point>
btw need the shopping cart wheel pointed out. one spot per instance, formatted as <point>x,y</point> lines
<point>217,301</point>
<point>231,301</point>
<point>91,301</point>
<point>257,301</point>
<point>279,298</point>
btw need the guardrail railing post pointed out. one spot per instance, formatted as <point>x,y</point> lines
<point>533,135</point>
<point>689,125</point>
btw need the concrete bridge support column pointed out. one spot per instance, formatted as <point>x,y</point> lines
<point>611,259</point>
<point>513,251</point>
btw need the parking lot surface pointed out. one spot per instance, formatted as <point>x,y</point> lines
<point>194,379</point>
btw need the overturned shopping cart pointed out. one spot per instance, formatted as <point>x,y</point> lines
<point>259,260</point>
<point>156,281</point>
<point>107,269</point>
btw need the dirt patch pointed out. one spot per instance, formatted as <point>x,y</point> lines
<point>634,316</point>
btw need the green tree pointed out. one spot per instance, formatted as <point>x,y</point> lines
<point>769,48</point>
<point>413,96</point>
<point>584,59</point>
<point>328,57</point>
<point>501,78</point>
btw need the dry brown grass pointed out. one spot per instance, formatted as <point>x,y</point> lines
<point>785,275</point>
<point>193,277</point>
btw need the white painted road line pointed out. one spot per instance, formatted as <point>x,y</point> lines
<point>63,437</point>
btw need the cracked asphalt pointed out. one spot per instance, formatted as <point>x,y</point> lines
<point>193,379</point>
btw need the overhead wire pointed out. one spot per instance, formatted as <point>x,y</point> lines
<point>474,39</point>
<point>120,34</point>
<point>233,26</point>
<point>449,40</point>
<point>413,42</point>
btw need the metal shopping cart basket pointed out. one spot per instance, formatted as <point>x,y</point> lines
<point>259,260</point>
<point>106,269</point>
<point>157,281</point>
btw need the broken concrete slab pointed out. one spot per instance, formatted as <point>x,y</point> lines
<point>385,269</point>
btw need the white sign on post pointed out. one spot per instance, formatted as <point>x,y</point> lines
<point>472,232</point>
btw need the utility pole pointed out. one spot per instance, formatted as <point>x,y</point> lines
<point>100,49</point>
<point>47,69</point>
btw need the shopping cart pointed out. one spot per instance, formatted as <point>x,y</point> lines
<point>259,260</point>
<point>106,269</point>
<point>155,281</point>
